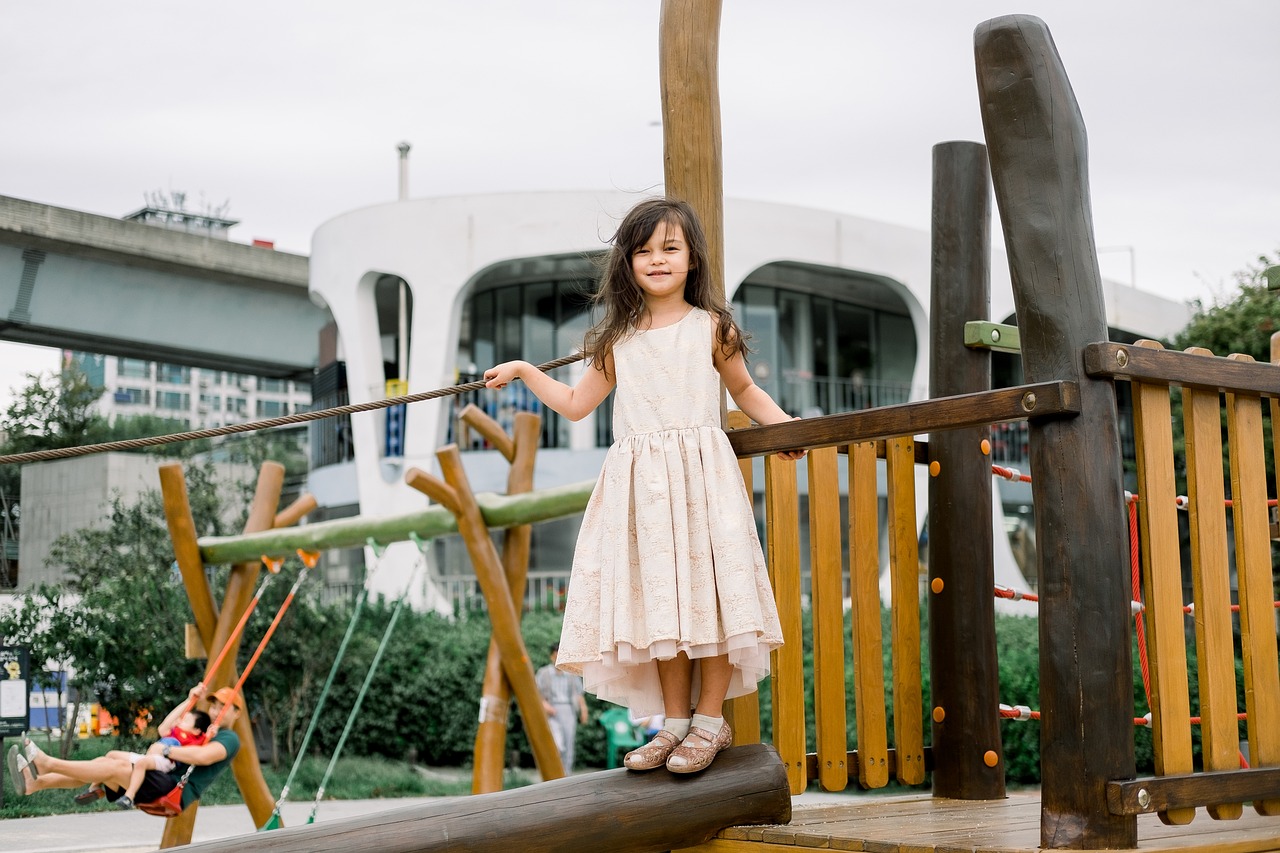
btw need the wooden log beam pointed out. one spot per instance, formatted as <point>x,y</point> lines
<point>1038,153</point>
<point>965,688</point>
<point>499,512</point>
<point>1025,402</point>
<point>615,810</point>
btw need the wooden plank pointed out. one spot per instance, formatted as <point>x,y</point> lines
<point>904,569</point>
<point>1211,586</point>
<point>964,673</point>
<point>937,825</point>
<point>1162,584</point>
<point>1254,582</point>
<point>864,593</point>
<point>827,609</point>
<point>1194,367</point>
<point>1140,796</point>
<point>783,544</point>
<point>1037,400</point>
<point>1038,150</point>
<point>742,713</point>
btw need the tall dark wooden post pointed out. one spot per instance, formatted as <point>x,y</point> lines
<point>1036,143</point>
<point>962,641</point>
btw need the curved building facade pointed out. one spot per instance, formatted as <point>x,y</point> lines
<point>429,292</point>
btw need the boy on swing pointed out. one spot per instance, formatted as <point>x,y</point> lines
<point>191,731</point>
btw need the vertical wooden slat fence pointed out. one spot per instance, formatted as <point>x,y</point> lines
<point>864,592</point>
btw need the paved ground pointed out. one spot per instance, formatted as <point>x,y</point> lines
<point>103,831</point>
<point>134,832</point>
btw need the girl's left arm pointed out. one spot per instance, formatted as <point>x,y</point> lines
<point>750,397</point>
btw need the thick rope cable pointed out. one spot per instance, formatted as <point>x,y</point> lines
<point>269,423</point>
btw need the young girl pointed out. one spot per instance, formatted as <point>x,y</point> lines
<point>669,606</point>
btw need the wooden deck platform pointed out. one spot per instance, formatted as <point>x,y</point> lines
<point>920,824</point>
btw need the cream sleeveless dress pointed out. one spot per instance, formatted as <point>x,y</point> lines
<point>667,559</point>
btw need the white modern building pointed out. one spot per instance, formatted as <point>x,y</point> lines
<point>435,290</point>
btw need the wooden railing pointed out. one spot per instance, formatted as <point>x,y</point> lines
<point>1242,385</point>
<point>862,437</point>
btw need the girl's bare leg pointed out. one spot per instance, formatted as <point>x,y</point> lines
<point>716,674</point>
<point>676,677</point>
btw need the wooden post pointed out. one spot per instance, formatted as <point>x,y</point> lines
<point>965,689</point>
<point>495,694</point>
<point>455,493</point>
<point>1036,143</point>
<point>688,57</point>
<point>240,588</point>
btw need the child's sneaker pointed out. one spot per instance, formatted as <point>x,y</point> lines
<point>89,795</point>
<point>124,803</point>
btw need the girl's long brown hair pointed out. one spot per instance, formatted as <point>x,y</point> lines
<point>621,297</point>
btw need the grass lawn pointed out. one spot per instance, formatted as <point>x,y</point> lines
<point>354,778</point>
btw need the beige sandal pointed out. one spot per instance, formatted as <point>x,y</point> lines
<point>653,754</point>
<point>699,749</point>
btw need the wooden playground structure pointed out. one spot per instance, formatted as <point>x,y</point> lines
<point>1090,797</point>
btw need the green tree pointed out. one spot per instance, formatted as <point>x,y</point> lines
<point>118,622</point>
<point>1242,324</point>
<point>52,411</point>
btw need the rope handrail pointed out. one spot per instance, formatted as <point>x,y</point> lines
<point>254,426</point>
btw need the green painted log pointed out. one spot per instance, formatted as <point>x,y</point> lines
<point>499,511</point>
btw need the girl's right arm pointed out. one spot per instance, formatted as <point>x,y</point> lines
<point>573,402</point>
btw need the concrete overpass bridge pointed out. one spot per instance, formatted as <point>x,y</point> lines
<point>77,280</point>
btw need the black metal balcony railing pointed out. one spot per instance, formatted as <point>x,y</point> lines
<point>330,438</point>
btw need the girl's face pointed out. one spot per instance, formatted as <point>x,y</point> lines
<point>661,265</point>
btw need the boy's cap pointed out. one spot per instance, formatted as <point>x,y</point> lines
<point>227,696</point>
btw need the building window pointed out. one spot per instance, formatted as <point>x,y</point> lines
<point>173,401</point>
<point>237,406</point>
<point>240,380</point>
<point>826,340</point>
<point>272,408</point>
<point>275,386</point>
<point>536,320</point>
<point>133,368</point>
<point>210,402</point>
<point>132,396</point>
<point>174,374</point>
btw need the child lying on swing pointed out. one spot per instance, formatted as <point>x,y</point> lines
<point>189,732</point>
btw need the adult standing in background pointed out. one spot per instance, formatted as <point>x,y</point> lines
<point>565,705</point>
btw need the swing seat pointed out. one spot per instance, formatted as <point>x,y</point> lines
<point>170,805</point>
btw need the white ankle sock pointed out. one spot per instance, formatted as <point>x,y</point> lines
<point>679,728</point>
<point>707,724</point>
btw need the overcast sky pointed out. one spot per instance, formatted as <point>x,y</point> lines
<point>289,113</point>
